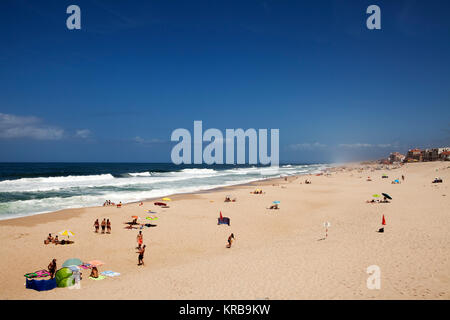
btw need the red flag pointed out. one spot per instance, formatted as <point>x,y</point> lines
<point>384,221</point>
<point>221,215</point>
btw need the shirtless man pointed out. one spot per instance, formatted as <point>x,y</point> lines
<point>230,240</point>
<point>141,256</point>
<point>140,239</point>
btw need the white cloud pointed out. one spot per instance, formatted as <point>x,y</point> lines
<point>141,140</point>
<point>306,146</point>
<point>83,133</point>
<point>364,145</point>
<point>12,126</point>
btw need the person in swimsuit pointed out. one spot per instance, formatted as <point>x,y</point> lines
<point>108,226</point>
<point>230,240</point>
<point>96,225</point>
<point>52,268</point>
<point>141,256</point>
<point>140,239</point>
<point>103,225</point>
<point>49,239</point>
<point>56,240</point>
<point>94,272</point>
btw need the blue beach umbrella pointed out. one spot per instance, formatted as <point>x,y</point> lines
<point>72,262</point>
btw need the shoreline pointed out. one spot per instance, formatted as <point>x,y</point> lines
<point>193,193</point>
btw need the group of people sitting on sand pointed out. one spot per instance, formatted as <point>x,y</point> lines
<point>437,180</point>
<point>257,191</point>
<point>55,240</point>
<point>307,181</point>
<point>228,199</point>
<point>106,224</point>
<point>385,200</point>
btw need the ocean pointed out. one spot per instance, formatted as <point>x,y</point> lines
<point>33,188</point>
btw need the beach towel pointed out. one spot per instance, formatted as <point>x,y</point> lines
<point>37,274</point>
<point>85,266</point>
<point>110,273</point>
<point>100,277</point>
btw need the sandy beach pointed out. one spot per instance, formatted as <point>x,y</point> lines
<point>278,254</point>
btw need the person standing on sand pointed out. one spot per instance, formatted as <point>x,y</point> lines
<point>141,256</point>
<point>403,178</point>
<point>230,240</point>
<point>108,226</point>
<point>96,225</point>
<point>103,225</point>
<point>140,239</point>
<point>52,268</point>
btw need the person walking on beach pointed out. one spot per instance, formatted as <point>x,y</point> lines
<point>52,268</point>
<point>141,256</point>
<point>103,225</point>
<point>140,239</point>
<point>230,240</point>
<point>403,178</point>
<point>108,226</point>
<point>96,225</point>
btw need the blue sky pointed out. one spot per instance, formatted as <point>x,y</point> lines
<point>137,70</point>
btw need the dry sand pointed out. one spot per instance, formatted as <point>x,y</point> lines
<point>277,254</point>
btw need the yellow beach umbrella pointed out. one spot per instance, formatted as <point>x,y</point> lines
<point>167,199</point>
<point>66,233</point>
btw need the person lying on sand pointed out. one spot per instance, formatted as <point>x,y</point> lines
<point>274,206</point>
<point>230,240</point>
<point>94,273</point>
<point>49,239</point>
<point>52,268</point>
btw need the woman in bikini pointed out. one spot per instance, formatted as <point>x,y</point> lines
<point>230,240</point>
<point>49,239</point>
<point>96,225</point>
<point>103,225</point>
<point>52,268</point>
<point>108,226</point>
<point>94,272</point>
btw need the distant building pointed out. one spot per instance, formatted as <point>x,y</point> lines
<point>432,154</point>
<point>414,155</point>
<point>445,155</point>
<point>396,157</point>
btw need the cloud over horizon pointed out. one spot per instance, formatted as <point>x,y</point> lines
<point>16,127</point>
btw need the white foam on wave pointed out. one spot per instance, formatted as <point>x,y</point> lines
<point>137,187</point>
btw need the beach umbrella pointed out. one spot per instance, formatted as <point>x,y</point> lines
<point>72,262</point>
<point>387,196</point>
<point>276,202</point>
<point>166,199</point>
<point>67,233</point>
<point>96,263</point>
<point>376,195</point>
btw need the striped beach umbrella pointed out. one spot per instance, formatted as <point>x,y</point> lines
<point>67,233</point>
